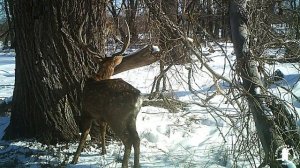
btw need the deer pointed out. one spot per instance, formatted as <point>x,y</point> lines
<point>113,102</point>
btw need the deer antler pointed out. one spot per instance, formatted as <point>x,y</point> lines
<point>126,44</point>
<point>85,46</point>
<point>109,63</point>
<point>83,43</point>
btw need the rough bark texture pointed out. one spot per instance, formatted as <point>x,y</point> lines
<point>50,66</point>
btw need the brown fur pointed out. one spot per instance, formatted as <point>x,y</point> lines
<point>108,68</point>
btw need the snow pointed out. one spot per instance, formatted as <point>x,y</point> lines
<point>191,137</point>
<point>7,73</point>
<point>155,49</point>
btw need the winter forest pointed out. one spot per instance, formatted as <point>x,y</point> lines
<point>150,83</point>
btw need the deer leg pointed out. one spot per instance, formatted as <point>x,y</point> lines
<point>86,126</point>
<point>136,146</point>
<point>103,132</point>
<point>135,139</point>
<point>127,152</point>
<point>126,155</point>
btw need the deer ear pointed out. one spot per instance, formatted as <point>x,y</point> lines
<point>118,60</point>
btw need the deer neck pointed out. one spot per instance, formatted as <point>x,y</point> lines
<point>104,73</point>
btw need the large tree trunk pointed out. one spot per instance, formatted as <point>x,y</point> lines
<point>55,53</point>
<point>253,87</point>
<point>50,66</point>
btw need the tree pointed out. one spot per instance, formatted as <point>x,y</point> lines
<point>272,120</point>
<point>251,80</point>
<point>46,95</point>
<point>59,44</point>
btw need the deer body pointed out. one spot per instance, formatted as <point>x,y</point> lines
<point>104,99</point>
<point>116,103</point>
<point>113,102</point>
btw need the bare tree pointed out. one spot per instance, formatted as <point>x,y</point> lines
<point>271,118</point>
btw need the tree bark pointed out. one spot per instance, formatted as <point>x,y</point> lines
<point>50,66</point>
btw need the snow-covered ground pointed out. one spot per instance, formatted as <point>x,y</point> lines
<point>191,137</point>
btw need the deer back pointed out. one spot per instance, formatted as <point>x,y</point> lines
<point>109,99</point>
